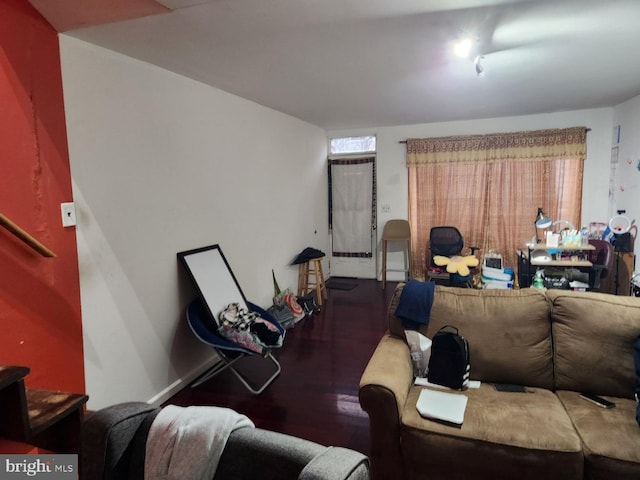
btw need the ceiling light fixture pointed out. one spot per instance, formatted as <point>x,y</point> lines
<point>462,48</point>
<point>478,65</point>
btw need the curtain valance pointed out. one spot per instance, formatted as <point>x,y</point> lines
<point>535,145</point>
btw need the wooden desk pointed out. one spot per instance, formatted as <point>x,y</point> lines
<point>526,262</point>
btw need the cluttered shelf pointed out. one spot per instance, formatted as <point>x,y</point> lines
<point>597,258</point>
<point>560,257</point>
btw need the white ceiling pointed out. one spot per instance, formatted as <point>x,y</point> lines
<point>364,63</point>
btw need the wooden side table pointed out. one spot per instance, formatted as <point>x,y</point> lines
<point>42,418</point>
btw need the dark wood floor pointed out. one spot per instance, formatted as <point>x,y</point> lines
<point>316,395</point>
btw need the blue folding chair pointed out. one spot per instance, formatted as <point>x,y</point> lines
<point>204,328</point>
<point>218,287</point>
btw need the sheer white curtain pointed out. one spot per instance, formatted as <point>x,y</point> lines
<point>352,197</point>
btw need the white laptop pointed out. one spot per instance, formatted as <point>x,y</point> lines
<point>445,406</point>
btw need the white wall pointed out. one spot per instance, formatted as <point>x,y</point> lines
<point>392,172</point>
<point>626,193</point>
<point>162,164</point>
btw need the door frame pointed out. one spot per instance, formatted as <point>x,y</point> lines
<point>359,267</point>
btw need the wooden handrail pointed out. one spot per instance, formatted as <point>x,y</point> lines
<point>25,237</point>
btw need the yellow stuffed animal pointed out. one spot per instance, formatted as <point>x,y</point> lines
<point>457,264</point>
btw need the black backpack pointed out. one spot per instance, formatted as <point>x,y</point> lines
<point>636,359</point>
<point>449,362</point>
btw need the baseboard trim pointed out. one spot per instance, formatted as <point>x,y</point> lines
<point>183,382</point>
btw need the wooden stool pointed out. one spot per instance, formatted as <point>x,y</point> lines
<point>305,284</point>
<point>395,230</point>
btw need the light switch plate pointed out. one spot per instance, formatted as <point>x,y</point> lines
<point>68,210</point>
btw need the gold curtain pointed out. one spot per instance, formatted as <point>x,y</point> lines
<point>490,186</point>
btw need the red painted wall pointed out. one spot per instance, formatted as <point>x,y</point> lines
<point>40,318</point>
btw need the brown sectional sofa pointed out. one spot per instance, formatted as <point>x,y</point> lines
<point>556,343</point>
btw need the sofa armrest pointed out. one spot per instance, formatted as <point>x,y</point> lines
<point>269,455</point>
<point>337,463</point>
<point>384,388</point>
<point>108,439</point>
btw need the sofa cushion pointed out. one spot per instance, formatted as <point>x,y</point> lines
<point>593,335</point>
<point>504,435</point>
<point>508,331</point>
<point>611,437</point>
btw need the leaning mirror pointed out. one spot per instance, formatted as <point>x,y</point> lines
<point>213,278</point>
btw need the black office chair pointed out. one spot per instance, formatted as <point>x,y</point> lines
<point>446,241</point>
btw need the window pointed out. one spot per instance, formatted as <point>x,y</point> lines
<point>489,187</point>
<point>350,145</point>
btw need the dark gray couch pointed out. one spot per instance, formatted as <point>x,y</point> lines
<point>114,439</point>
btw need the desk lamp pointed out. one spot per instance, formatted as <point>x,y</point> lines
<point>541,221</point>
